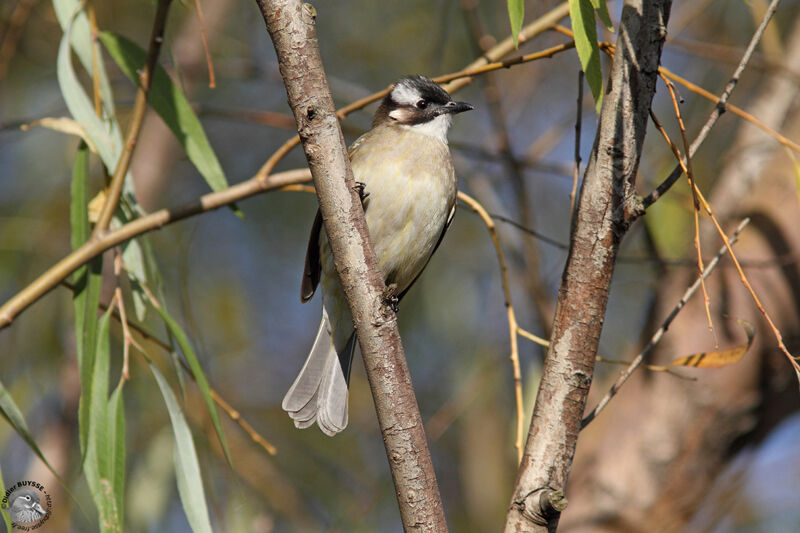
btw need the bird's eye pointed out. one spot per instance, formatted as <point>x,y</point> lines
<point>422,104</point>
<point>28,498</point>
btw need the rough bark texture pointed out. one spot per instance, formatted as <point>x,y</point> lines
<point>649,461</point>
<point>607,201</point>
<point>291,25</point>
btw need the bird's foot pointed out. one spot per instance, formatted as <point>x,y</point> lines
<point>390,297</point>
<point>360,187</point>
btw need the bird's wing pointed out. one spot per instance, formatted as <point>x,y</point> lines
<point>444,230</point>
<point>312,270</point>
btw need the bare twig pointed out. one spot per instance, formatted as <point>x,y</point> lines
<point>656,338</point>
<point>513,328</point>
<point>212,83</point>
<point>577,168</point>
<point>139,108</point>
<point>232,413</point>
<point>94,247</point>
<point>687,169</point>
<point>721,106</point>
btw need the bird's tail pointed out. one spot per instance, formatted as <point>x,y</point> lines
<point>320,391</point>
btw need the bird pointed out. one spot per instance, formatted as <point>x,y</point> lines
<point>404,169</point>
<point>25,506</point>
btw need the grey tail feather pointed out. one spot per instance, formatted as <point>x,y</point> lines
<point>320,391</point>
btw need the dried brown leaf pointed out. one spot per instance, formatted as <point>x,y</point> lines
<point>720,358</point>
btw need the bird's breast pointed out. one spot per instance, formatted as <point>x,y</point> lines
<point>411,185</point>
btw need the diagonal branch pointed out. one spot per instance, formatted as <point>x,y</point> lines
<point>718,109</point>
<point>139,109</point>
<point>291,26</point>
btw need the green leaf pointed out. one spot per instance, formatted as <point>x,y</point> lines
<point>105,136</point>
<point>79,199</point>
<point>168,101</point>
<point>100,461</point>
<point>88,280</point>
<point>187,468</point>
<point>71,15</point>
<point>197,370</point>
<point>6,516</point>
<point>602,11</point>
<point>14,416</point>
<point>116,433</point>
<point>585,30</point>
<point>516,13</point>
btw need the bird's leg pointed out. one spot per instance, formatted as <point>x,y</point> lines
<point>360,187</point>
<point>390,297</point>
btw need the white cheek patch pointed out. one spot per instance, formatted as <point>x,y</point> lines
<point>404,95</point>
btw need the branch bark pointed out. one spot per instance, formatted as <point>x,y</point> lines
<point>291,26</point>
<point>608,203</point>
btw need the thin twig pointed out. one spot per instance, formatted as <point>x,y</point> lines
<point>577,168</point>
<point>232,413</point>
<point>652,368</point>
<point>486,63</point>
<point>139,109</point>
<point>513,328</point>
<point>720,107</point>
<point>212,83</point>
<point>687,169</point>
<point>656,338</point>
<point>94,247</point>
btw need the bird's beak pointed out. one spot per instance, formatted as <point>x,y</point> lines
<point>38,507</point>
<point>456,107</point>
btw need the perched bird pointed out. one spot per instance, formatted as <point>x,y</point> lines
<point>25,506</point>
<point>409,198</point>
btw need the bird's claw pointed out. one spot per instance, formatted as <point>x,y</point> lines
<point>390,297</point>
<point>360,187</point>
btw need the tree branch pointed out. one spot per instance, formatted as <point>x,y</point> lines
<point>607,205</point>
<point>139,108</point>
<point>291,26</point>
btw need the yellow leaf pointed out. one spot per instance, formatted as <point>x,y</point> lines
<point>96,206</point>
<point>63,125</point>
<point>720,357</point>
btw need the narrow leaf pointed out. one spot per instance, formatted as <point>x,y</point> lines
<point>100,461</point>
<point>87,287</point>
<point>721,357</point>
<point>6,516</point>
<point>116,433</point>
<point>516,14</point>
<point>168,101</point>
<point>585,31</point>
<point>202,383</point>
<point>14,416</point>
<point>61,125</point>
<point>72,16</point>
<point>602,11</point>
<point>187,468</point>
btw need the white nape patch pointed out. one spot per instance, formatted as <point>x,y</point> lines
<point>436,128</point>
<point>405,94</point>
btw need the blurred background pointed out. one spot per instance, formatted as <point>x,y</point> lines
<point>665,447</point>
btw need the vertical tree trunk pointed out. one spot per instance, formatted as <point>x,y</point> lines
<point>607,201</point>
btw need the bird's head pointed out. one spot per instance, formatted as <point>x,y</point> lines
<point>25,506</point>
<point>418,102</point>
